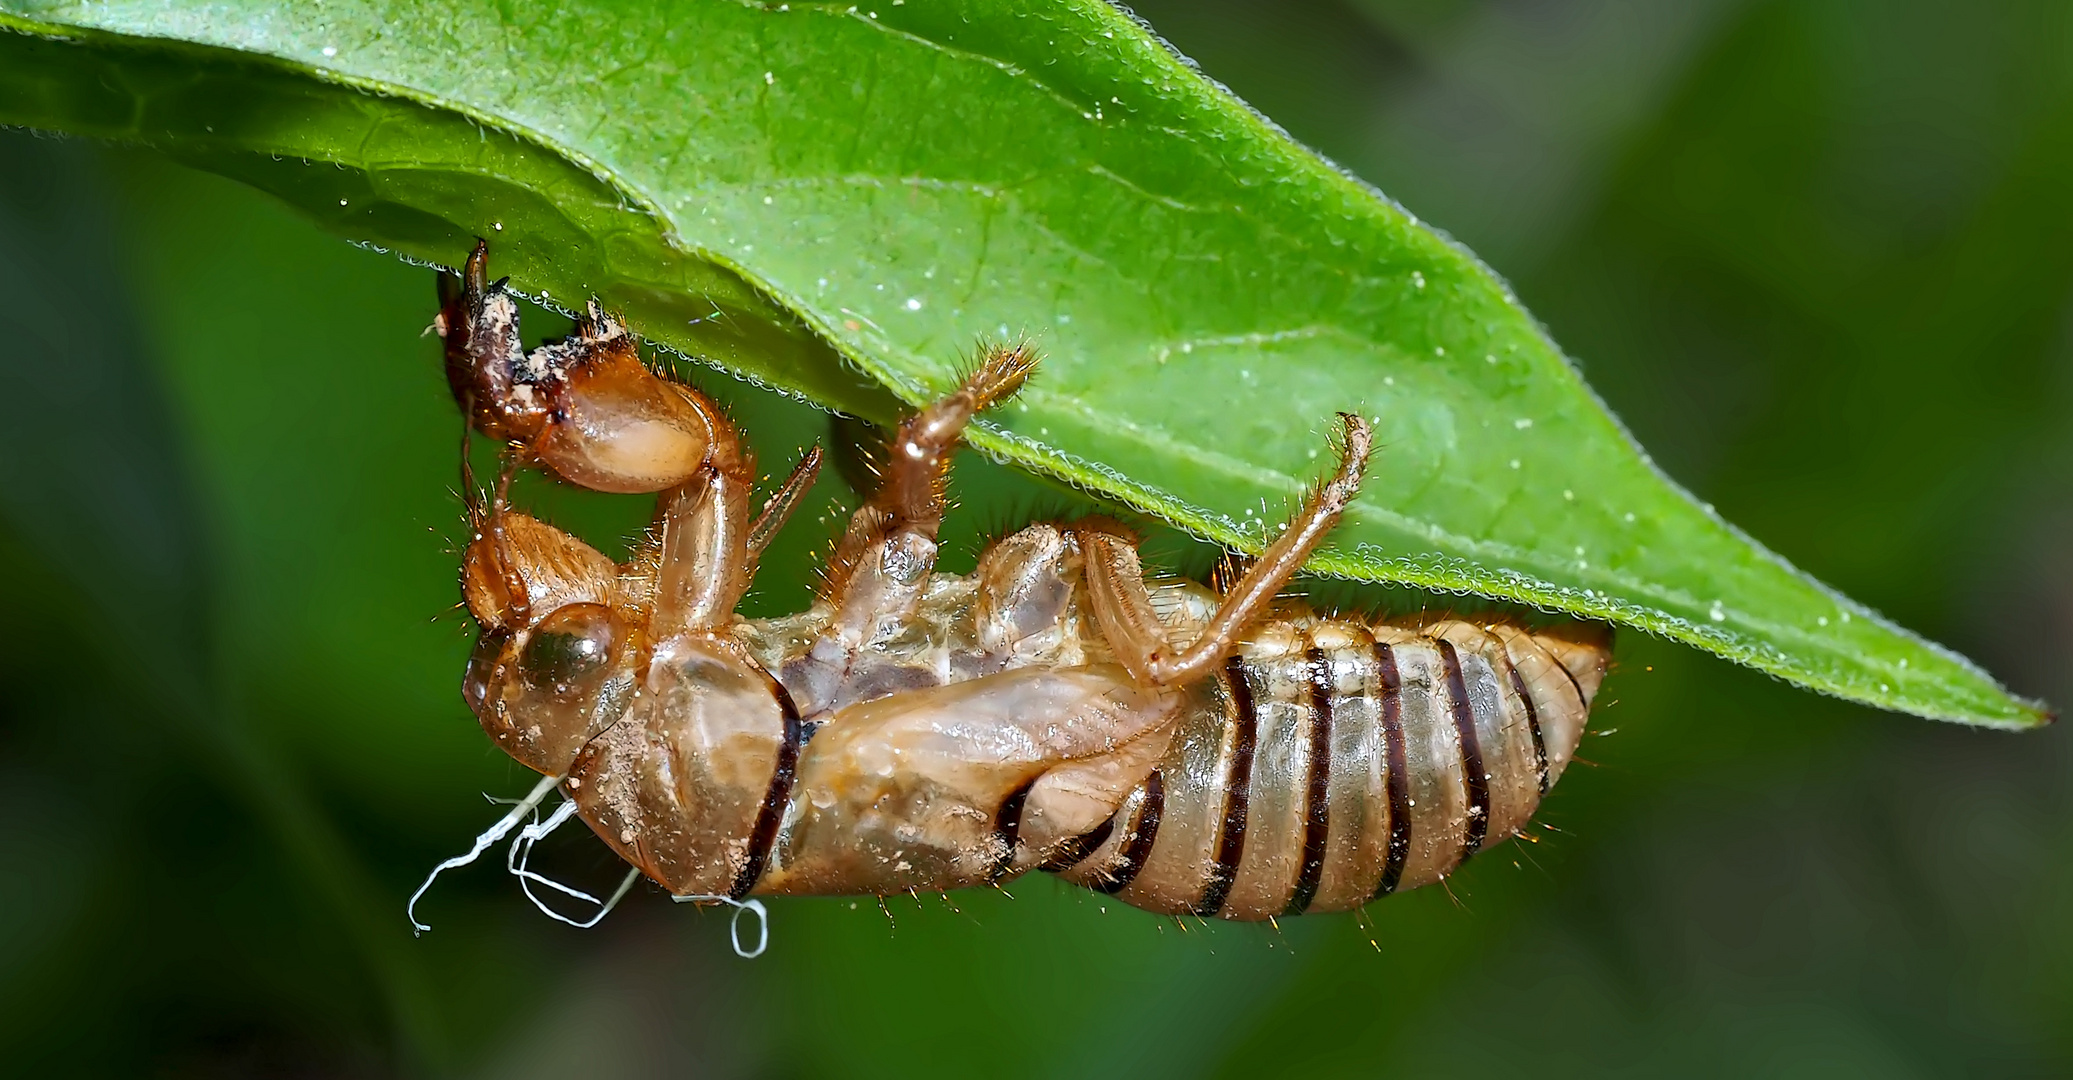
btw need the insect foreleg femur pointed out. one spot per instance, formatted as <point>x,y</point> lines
<point>587,407</point>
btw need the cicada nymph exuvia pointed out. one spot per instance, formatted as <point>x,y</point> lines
<point>1230,754</point>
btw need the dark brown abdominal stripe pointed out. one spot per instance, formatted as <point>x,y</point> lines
<point>1396,774</point>
<point>1230,844</point>
<point>1317,820</point>
<point>1137,843</point>
<point>1306,780</point>
<point>764,833</point>
<point>1477,780</point>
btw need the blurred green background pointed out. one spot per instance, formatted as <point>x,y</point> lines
<point>1817,255</point>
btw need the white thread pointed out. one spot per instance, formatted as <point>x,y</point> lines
<point>521,852</point>
<point>493,834</point>
<point>734,924</point>
<point>516,861</point>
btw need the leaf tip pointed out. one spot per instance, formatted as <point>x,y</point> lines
<point>2031,715</point>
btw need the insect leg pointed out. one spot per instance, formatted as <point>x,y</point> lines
<point>586,407</point>
<point>778,509</point>
<point>499,562</point>
<point>704,549</point>
<point>1123,607</point>
<point>890,545</point>
<point>479,323</point>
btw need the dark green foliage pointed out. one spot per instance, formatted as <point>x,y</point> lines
<point>1814,254</point>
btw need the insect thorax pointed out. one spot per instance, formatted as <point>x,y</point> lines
<point>1024,606</point>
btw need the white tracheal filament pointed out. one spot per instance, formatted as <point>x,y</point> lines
<point>519,811</point>
<point>516,859</point>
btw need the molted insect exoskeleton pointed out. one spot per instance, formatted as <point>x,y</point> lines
<point>1235,755</point>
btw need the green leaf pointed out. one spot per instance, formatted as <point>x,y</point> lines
<point>779,188</point>
<point>108,520</point>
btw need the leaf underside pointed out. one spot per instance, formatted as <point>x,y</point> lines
<point>836,202</point>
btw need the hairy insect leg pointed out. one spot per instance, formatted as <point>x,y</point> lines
<point>890,545</point>
<point>493,524</point>
<point>778,509</point>
<point>586,407</point>
<point>1123,607</point>
<point>704,563</point>
<point>479,324</point>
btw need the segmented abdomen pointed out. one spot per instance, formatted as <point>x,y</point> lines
<point>1335,762</point>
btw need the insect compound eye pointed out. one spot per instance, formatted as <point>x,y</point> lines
<point>570,679</point>
<point>570,651</point>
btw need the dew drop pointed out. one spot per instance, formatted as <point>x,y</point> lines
<point>914,303</point>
